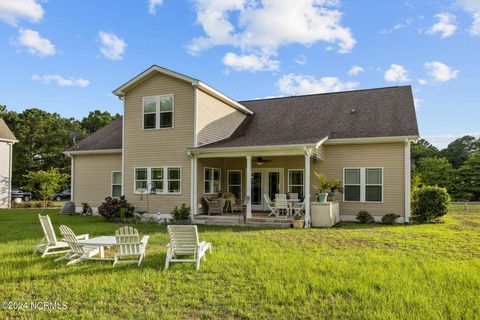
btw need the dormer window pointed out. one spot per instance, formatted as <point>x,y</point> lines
<point>158,112</point>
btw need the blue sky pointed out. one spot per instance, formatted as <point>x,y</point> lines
<point>67,56</point>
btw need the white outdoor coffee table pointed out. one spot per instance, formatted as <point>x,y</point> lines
<point>100,242</point>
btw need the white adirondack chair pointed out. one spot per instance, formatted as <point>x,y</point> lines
<point>77,252</point>
<point>129,245</point>
<point>271,205</point>
<point>184,242</point>
<point>49,244</point>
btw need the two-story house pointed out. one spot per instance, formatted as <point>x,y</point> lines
<point>180,139</point>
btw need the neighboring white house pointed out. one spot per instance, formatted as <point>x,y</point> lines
<point>7,139</point>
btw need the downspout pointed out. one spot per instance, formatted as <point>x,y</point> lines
<point>407,180</point>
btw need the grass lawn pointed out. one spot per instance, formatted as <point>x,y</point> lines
<point>350,272</point>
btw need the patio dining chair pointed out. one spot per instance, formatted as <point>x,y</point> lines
<point>281,206</point>
<point>128,244</point>
<point>280,196</point>
<point>271,205</point>
<point>184,245</point>
<point>299,209</point>
<point>293,196</point>
<point>77,251</point>
<point>49,244</point>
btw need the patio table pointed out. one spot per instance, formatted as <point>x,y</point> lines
<point>100,242</point>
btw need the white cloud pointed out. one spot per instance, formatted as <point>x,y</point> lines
<point>153,4</point>
<point>296,84</point>
<point>266,25</point>
<point>473,7</point>
<point>250,62</point>
<point>440,71</point>
<point>422,81</point>
<point>398,26</point>
<point>11,11</point>
<point>442,140</point>
<point>61,81</point>
<point>445,25</point>
<point>355,70</point>
<point>35,44</point>
<point>396,73</point>
<point>112,47</point>
<point>301,60</point>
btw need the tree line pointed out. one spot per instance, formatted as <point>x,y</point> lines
<point>456,168</point>
<point>43,137</point>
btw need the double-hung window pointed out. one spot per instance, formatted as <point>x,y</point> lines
<point>212,180</point>
<point>158,112</point>
<point>116,183</point>
<point>158,180</point>
<point>295,181</point>
<point>363,184</point>
<point>234,183</point>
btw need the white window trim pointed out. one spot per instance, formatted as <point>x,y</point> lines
<point>165,179</point>
<point>296,185</point>
<point>228,181</point>
<point>111,184</point>
<point>157,111</point>
<point>363,184</point>
<point>211,181</point>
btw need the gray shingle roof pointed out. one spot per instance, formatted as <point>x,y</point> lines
<point>381,112</point>
<point>5,132</point>
<point>107,138</point>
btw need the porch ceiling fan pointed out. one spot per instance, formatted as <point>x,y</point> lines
<point>261,160</point>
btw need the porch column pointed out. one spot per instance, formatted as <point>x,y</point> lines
<point>193,187</point>
<point>306,184</point>
<point>249,186</point>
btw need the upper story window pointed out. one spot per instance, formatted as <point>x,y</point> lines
<point>158,112</point>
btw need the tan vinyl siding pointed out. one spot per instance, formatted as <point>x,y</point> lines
<point>92,177</point>
<point>216,120</point>
<point>158,147</point>
<point>389,156</point>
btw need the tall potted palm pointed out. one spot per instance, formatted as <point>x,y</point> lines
<point>323,187</point>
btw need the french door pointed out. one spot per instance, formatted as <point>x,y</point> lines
<point>265,181</point>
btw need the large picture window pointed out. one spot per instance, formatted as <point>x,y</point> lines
<point>116,183</point>
<point>158,112</point>
<point>295,182</point>
<point>212,180</point>
<point>158,180</point>
<point>363,184</point>
<point>234,183</point>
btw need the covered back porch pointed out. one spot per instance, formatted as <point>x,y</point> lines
<point>249,175</point>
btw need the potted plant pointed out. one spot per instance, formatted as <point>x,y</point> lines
<point>334,187</point>
<point>298,222</point>
<point>323,187</point>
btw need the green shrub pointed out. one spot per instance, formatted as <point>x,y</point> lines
<point>116,208</point>
<point>365,217</point>
<point>181,214</point>
<point>390,218</point>
<point>429,202</point>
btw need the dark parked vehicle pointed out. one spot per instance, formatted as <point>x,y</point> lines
<point>64,195</point>
<point>19,194</point>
